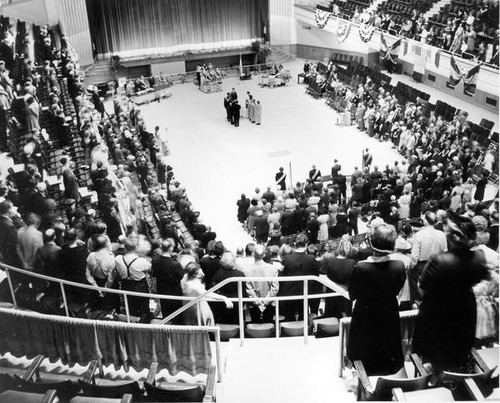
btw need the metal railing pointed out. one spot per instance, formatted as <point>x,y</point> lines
<point>64,283</point>
<point>345,324</point>
<point>192,301</point>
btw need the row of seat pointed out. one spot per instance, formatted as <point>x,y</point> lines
<point>92,388</point>
<point>429,385</point>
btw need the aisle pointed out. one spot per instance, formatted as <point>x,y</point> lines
<point>283,370</point>
<point>217,162</point>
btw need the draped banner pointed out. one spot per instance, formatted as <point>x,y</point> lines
<point>366,32</point>
<point>455,73</point>
<point>419,58</point>
<point>343,30</point>
<point>470,80</point>
<point>71,340</point>
<point>322,17</point>
<point>469,77</point>
<point>135,28</point>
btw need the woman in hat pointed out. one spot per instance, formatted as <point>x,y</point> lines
<point>375,335</point>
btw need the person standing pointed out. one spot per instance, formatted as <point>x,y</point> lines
<point>280,179</point>
<point>168,273</point>
<point>247,105</point>
<point>132,270</point>
<point>235,113</point>
<point>251,109</point>
<point>427,243</point>
<point>367,158</point>
<point>375,334</point>
<point>243,204</point>
<point>446,324</point>
<point>298,263</point>
<point>69,179</point>
<point>258,112</point>
<point>261,310</point>
<point>227,106</point>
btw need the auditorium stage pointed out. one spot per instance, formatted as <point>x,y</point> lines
<point>217,162</point>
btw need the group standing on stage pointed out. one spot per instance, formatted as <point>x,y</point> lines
<point>253,108</point>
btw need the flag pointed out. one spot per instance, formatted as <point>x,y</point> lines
<point>322,17</point>
<point>241,67</point>
<point>455,73</point>
<point>389,52</point>
<point>419,58</point>
<point>383,45</point>
<point>394,49</point>
<point>343,31</point>
<point>470,80</point>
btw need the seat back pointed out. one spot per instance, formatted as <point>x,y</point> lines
<point>175,392</point>
<point>383,389</point>
<point>65,389</point>
<point>110,391</point>
<point>454,381</point>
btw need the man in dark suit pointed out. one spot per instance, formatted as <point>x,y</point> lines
<point>335,169</point>
<point>299,263</point>
<point>314,174</point>
<point>261,227</point>
<point>8,239</point>
<point>227,106</point>
<point>168,273</point>
<point>280,179</point>
<point>235,113</point>
<point>340,181</point>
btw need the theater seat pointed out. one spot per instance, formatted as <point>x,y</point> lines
<point>16,396</point>
<point>260,330</point>
<point>291,329</point>
<point>326,327</point>
<point>228,331</point>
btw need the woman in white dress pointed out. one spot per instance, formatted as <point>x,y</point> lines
<point>404,205</point>
<point>192,286</point>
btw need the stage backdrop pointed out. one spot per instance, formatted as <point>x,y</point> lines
<point>136,28</point>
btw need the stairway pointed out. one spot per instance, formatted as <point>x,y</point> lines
<point>283,370</point>
<point>436,8</point>
<point>279,55</point>
<point>99,72</point>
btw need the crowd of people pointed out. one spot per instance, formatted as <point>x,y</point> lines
<point>428,226</point>
<point>459,33</point>
<point>253,108</point>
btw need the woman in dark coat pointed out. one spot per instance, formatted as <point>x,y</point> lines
<point>375,335</point>
<point>446,324</point>
<point>339,269</point>
<point>243,205</point>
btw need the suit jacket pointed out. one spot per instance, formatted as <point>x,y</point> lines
<point>297,264</point>
<point>8,242</point>
<point>168,273</point>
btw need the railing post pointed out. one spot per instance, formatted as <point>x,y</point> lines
<point>277,319</point>
<point>217,355</point>
<point>11,286</point>
<point>306,311</point>
<point>63,292</point>
<point>341,344</point>
<point>198,313</point>
<point>240,313</point>
<point>127,311</point>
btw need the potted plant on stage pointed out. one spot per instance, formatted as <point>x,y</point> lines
<point>262,52</point>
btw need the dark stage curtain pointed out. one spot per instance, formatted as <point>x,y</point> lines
<point>143,27</point>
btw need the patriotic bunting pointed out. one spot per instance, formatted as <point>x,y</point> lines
<point>455,73</point>
<point>343,31</point>
<point>419,58</point>
<point>366,32</point>
<point>322,17</point>
<point>469,77</point>
<point>470,80</point>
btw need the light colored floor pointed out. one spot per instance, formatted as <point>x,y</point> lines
<point>283,370</point>
<point>217,162</point>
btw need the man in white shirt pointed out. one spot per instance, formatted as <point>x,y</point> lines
<point>426,243</point>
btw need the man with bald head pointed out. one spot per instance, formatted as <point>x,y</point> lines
<point>46,256</point>
<point>262,310</point>
<point>168,273</point>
